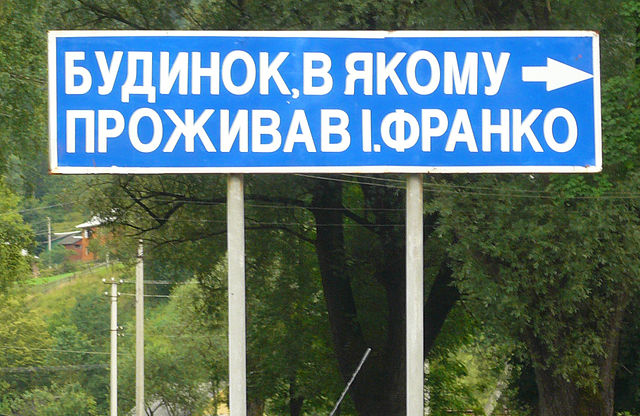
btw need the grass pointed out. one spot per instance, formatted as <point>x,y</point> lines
<point>48,303</point>
<point>47,279</point>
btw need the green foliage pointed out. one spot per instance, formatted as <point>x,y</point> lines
<point>289,353</point>
<point>550,272</point>
<point>546,258</point>
<point>23,336</point>
<point>551,261</point>
<point>89,315</point>
<point>67,400</point>
<point>76,314</point>
<point>15,238</point>
<point>56,259</point>
<point>446,392</point>
<point>22,77</point>
<point>185,362</point>
<point>627,393</point>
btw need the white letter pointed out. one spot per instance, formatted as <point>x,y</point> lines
<point>72,116</point>
<point>572,133</point>
<point>239,128</point>
<point>189,129</point>
<point>523,128</point>
<point>366,130</point>
<point>179,70</point>
<point>108,72</point>
<point>270,70</point>
<point>71,71</point>
<point>365,74</point>
<point>495,74</point>
<point>385,71</point>
<point>340,129</point>
<point>258,130</point>
<point>309,73</point>
<point>427,131</point>
<point>488,129</point>
<point>213,72</point>
<point>469,76</point>
<point>156,134</point>
<point>104,132</point>
<point>250,76</point>
<point>461,132</point>
<point>299,122</point>
<point>129,87</point>
<point>412,63</point>
<point>400,143</point>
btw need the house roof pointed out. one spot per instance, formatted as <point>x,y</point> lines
<point>70,239</point>
<point>60,235</point>
<point>63,238</point>
<point>95,221</point>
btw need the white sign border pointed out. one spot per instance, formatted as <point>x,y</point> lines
<point>53,154</point>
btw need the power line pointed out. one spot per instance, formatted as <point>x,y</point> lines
<point>160,282</point>
<point>52,368</point>
<point>22,211</point>
<point>147,296</point>
<point>9,347</point>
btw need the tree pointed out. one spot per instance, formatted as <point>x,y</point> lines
<point>23,80</point>
<point>289,354</point>
<point>23,337</point>
<point>180,357</point>
<point>558,274</point>
<point>15,240</point>
<point>354,225</point>
<point>341,211</point>
<point>67,400</point>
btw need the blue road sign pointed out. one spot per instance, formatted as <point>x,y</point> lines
<point>248,102</point>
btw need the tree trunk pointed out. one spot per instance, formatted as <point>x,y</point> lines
<point>559,397</point>
<point>346,331</point>
<point>295,400</point>
<point>295,405</point>
<point>255,408</point>
<point>379,389</point>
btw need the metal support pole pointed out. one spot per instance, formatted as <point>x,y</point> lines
<point>237,325</point>
<point>415,296</point>
<point>49,234</point>
<point>140,332</point>
<point>114,344</point>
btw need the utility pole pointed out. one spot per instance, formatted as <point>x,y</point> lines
<point>140,332</point>
<point>114,343</point>
<point>49,233</point>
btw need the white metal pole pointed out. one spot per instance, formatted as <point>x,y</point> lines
<point>114,348</point>
<point>237,324</point>
<point>140,406</point>
<point>415,297</point>
<point>49,233</point>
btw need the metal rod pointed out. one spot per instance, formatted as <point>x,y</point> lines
<point>237,323</point>
<point>114,348</point>
<point>49,235</point>
<point>415,296</point>
<point>140,406</point>
<point>353,377</point>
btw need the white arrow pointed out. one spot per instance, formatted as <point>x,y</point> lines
<point>555,74</point>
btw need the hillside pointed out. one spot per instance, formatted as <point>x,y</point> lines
<point>72,315</point>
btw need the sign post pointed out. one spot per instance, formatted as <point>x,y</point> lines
<point>155,102</point>
<point>237,322</point>
<point>415,301</point>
